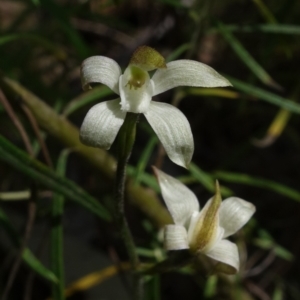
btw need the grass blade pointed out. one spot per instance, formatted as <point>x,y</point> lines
<point>48,45</point>
<point>264,11</point>
<point>267,28</point>
<point>265,95</point>
<point>63,20</point>
<point>213,92</point>
<point>27,255</point>
<point>259,182</point>
<point>247,58</point>
<point>40,173</point>
<point>177,52</point>
<point>145,178</point>
<point>207,180</point>
<point>57,233</point>
<point>143,161</point>
<point>96,94</point>
<point>275,129</point>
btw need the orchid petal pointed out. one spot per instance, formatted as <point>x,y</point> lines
<point>234,214</point>
<point>101,124</point>
<point>175,237</point>
<point>180,200</point>
<point>227,254</point>
<point>100,69</point>
<point>173,131</point>
<point>135,99</point>
<point>187,73</point>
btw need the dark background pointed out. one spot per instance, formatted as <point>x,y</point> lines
<point>42,45</point>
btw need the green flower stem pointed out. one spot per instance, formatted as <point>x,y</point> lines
<point>126,140</point>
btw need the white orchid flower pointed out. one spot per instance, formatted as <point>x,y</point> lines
<point>205,231</point>
<point>136,89</point>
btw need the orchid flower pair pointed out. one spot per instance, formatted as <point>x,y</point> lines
<point>205,231</point>
<point>202,232</point>
<point>136,89</point>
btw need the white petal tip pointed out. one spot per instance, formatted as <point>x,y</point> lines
<point>227,256</point>
<point>180,161</point>
<point>173,131</point>
<point>234,214</point>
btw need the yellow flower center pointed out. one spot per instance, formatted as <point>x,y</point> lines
<point>137,77</point>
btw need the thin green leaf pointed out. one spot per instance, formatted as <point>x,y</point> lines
<point>41,41</point>
<point>156,287</point>
<point>204,178</point>
<point>40,173</point>
<point>264,95</point>
<point>37,266</point>
<point>267,28</point>
<point>283,253</point>
<point>149,253</point>
<point>246,57</point>
<point>177,52</point>
<point>187,179</point>
<point>144,178</point>
<point>265,241</point>
<point>27,255</point>
<point>36,2</point>
<point>259,182</point>
<point>96,94</point>
<point>57,254</point>
<point>211,92</point>
<point>207,180</point>
<point>210,287</point>
<point>265,11</point>
<point>62,17</point>
<point>175,3</point>
<point>278,292</point>
<point>144,158</point>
